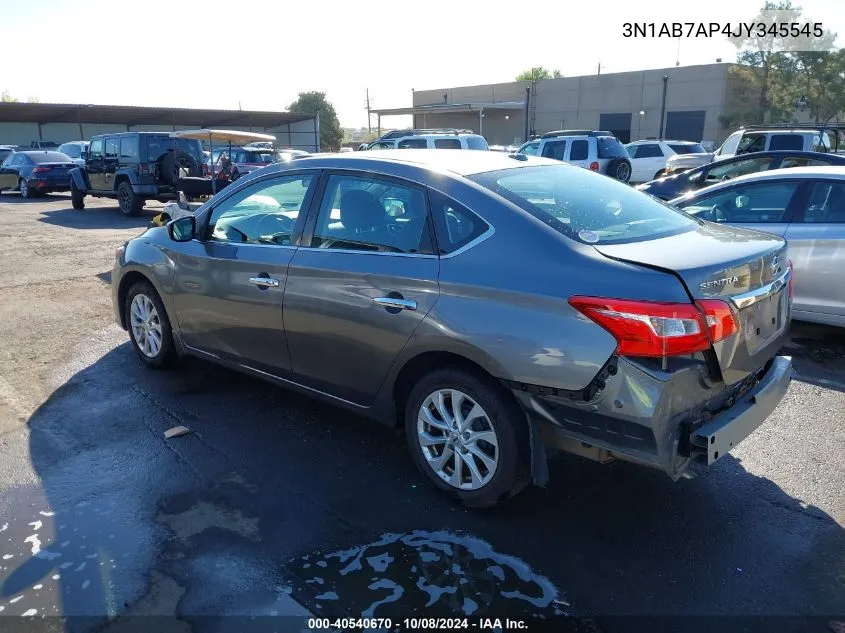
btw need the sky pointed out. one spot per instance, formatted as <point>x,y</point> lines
<point>258,54</point>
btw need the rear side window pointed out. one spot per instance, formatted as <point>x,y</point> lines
<point>803,161</point>
<point>787,142</point>
<point>555,149</point>
<point>580,150</point>
<point>649,150</point>
<point>611,147</point>
<point>826,204</point>
<point>477,142</point>
<point>111,147</point>
<point>585,206</point>
<point>693,148</point>
<point>412,143</point>
<point>447,143</point>
<point>129,147</point>
<point>455,225</point>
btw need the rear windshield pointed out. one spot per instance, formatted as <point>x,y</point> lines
<point>477,142</point>
<point>158,145</point>
<point>693,148</point>
<point>588,207</point>
<point>48,157</point>
<point>611,147</point>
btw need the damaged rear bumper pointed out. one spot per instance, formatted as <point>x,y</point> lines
<point>665,418</point>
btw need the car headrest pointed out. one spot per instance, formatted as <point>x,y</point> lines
<point>360,210</point>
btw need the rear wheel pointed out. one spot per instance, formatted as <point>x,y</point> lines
<point>149,328</point>
<point>658,175</point>
<point>77,198</point>
<point>26,192</point>
<point>130,204</point>
<point>468,437</point>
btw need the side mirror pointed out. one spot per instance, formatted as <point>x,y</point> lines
<point>182,229</point>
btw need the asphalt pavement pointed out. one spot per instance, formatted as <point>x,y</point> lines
<point>274,504</point>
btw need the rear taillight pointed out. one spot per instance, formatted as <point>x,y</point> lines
<point>648,328</point>
<point>143,169</point>
<point>594,166</point>
<point>40,170</point>
<point>789,285</point>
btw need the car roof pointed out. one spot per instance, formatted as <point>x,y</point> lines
<point>663,140</point>
<point>75,143</point>
<point>458,161</point>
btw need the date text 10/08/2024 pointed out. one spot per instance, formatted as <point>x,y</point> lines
<point>485,625</point>
<point>714,29</point>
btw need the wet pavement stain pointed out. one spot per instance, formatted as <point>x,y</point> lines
<point>428,574</point>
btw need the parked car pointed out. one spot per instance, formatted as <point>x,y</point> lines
<point>423,291</point>
<point>805,205</point>
<point>134,167</point>
<point>77,150</point>
<point>243,159</point>
<point>678,184</point>
<point>434,140</point>
<point>752,139</point>
<point>287,154</point>
<point>50,145</point>
<point>35,173</point>
<point>648,157</point>
<point>595,150</point>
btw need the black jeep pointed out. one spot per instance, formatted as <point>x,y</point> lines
<point>134,167</point>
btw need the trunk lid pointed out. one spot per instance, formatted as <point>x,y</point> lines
<point>747,269</point>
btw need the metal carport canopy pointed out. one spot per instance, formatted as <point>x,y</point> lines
<point>451,108</point>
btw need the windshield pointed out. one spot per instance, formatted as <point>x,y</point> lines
<point>687,148</point>
<point>74,151</point>
<point>585,206</point>
<point>611,147</point>
<point>158,145</point>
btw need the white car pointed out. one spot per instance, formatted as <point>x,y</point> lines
<point>648,157</point>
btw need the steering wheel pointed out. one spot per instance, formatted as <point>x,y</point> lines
<point>274,224</point>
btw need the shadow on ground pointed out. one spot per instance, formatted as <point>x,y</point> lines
<point>9,197</point>
<point>97,218</point>
<point>236,517</point>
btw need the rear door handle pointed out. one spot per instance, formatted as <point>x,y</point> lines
<point>264,281</point>
<point>392,302</point>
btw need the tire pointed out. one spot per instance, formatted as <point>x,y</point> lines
<point>77,198</point>
<point>658,175</point>
<point>159,351</point>
<point>26,192</point>
<point>130,204</point>
<point>488,485</point>
<point>620,169</point>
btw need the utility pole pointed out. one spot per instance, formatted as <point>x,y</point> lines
<point>599,68</point>
<point>369,127</point>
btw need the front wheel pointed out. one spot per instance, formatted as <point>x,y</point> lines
<point>77,198</point>
<point>149,328</point>
<point>130,204</point>
<point>468,437</point>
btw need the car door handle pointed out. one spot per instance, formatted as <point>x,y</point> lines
<point>393,302</point>
<point>264,281</point>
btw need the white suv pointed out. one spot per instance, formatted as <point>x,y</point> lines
<point>433,140</point>
<point>591,149</point>
<point>648,157</point>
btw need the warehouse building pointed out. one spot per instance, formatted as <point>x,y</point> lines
<point>687,102</point>
<point>25,123</point>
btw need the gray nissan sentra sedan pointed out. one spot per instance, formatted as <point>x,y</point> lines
<point>492,304</point>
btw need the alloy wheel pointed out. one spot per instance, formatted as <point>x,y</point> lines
<point>24,189</point>
<point>457,439</point>
<point>146,325</point>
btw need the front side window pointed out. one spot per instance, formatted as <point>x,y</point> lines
<point>447,143</point>
<point>826,204</point>
<point>382,145</point>
<point>263,213</point>
<point>477,142</point>
<point>412,143</point>
<point>587,207</point>
<point>362,213</point>
<point>735,168</point>
<point>649,150</point>
<point>530,149</point>
<point>802,161</point>
<point>751,143</point>
<point>111,147</point>
<point>744,204</point>
<point>95,150</point>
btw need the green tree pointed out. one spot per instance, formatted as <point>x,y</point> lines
<point>314,102</point>
<point>537,73</point>
<point>5,97</point>
<point>819,81</point>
